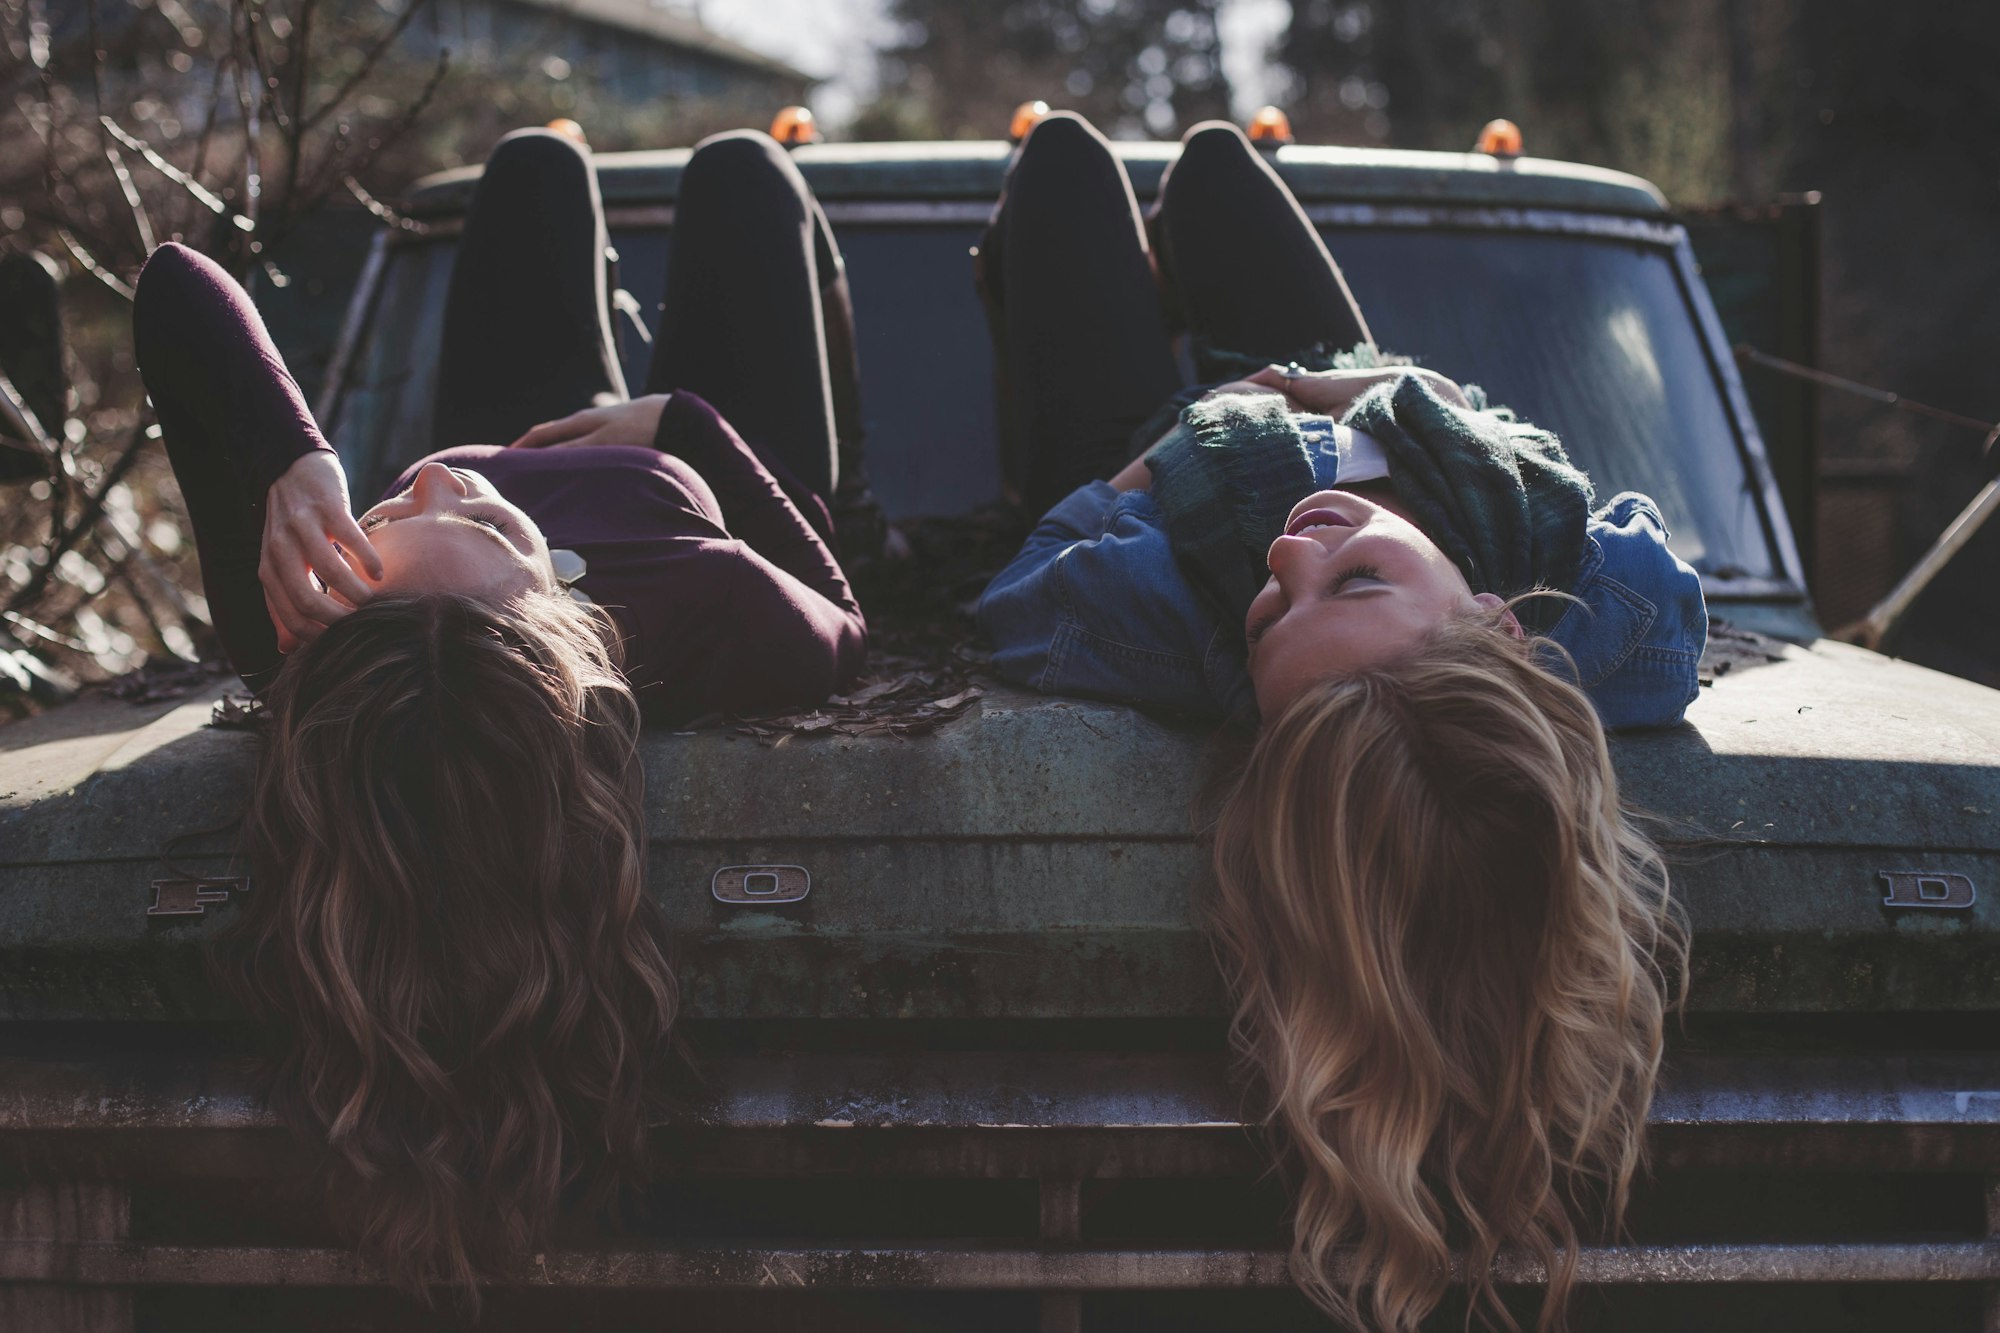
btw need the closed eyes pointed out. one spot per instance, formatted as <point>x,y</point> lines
<point>373,521</point>
<point>1347,576</point>
<point>1333,588</point>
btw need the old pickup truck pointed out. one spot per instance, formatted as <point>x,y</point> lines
<point>957,1041</point>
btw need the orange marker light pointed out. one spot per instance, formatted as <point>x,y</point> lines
<point>794,126</point>
<point>1270,127</point>
<point>1500,138</point>
<point>1026,117</point>
<point>568,129</point>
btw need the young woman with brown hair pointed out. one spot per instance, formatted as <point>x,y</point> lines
<point>449,940</point>
<point>1447,940</point>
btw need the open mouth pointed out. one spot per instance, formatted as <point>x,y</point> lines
<point>1316,518</point>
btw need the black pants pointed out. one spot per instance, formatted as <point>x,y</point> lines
<point>1084,348</point>
<point>756,317</point>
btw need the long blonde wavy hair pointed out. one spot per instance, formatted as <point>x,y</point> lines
<point>447,937</point>
<point>1450,950</point>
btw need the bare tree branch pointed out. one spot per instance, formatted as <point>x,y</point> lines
<point>90,265</point>
<point>209,118</point>
<point>253,179</point>
<point>261,85</point>
<point>130,189</point>
<point>382,210</point>
<point>331,170</point>
<point>126,186</point>
<point>301,74</point>
<point>20,418</point>
<point>369,61</point>
<point>41,631</point>
<point>202,194</point>
<point>183,22</point>
<point>63,536</point>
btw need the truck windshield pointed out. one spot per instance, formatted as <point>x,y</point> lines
<point>1593,339</point>
<point>1589,336</point>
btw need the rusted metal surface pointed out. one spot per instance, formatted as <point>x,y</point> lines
<point>65,1212</point>
<point>1027,1091</point>
<point>1062,1118</point>
<point>975,1268</point>
<point>1060,1115</point>
<point>1061,1223</point>
<point>1061,1211</point>
<point>1991,1320</point>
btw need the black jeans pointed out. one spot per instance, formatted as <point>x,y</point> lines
<point>755,318</point>
<point>1083,346</point>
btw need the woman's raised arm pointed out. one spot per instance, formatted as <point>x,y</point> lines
<point>239,436</point>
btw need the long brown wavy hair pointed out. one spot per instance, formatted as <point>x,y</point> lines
<point>1450,949</point>
<point>447,937</point>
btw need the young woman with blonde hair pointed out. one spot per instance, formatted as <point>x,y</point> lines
<point>1449,944</point>
<point>448,939</point>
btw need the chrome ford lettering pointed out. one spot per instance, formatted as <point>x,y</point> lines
<point>1928,888</point>
<point>192,897</point>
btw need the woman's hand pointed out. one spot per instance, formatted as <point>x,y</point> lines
<point>1254,384</point>
<point>309,530</point>
<point>635,422</point>
<point>1332,392</point>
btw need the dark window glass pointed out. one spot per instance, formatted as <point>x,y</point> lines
<point>1591,338</point>
<point>926,362</point>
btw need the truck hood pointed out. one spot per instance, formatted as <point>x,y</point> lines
<point>1033,859</point>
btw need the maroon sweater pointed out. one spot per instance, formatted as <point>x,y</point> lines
<point>726,596</point>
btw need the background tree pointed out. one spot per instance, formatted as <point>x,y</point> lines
<point>1137,68</point>
<point>1642,83</point>
<point>224,123</point>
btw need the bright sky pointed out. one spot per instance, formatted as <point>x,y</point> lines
<point>835,40</point>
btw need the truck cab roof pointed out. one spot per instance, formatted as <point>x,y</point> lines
<point>971,169</point>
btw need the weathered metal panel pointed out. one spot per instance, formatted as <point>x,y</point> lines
<point>970,1268</point>
<point>1035,859</point>
<point>167,1092</point>
<point>1828,747</point>
<point>65,1212</point>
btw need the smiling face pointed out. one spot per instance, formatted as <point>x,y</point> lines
<point>1353,584</point>
<point>451,531</point>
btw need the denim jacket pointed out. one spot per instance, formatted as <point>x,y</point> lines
<point>1094,605</point>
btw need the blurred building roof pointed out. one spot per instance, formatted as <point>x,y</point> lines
<point>660,23</point>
